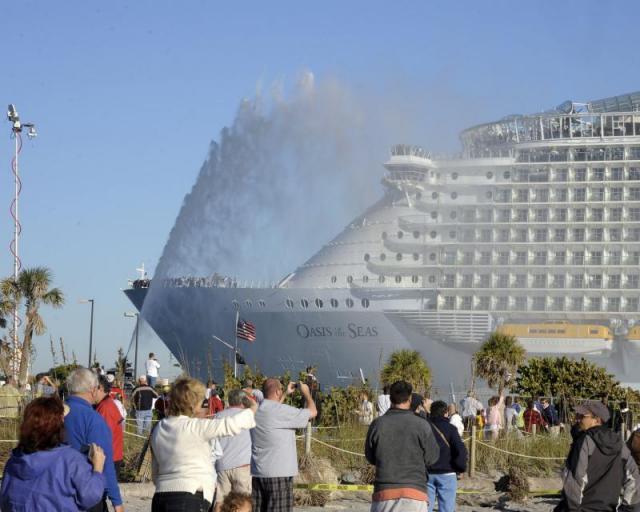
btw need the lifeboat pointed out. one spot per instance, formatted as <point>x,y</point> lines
<point>562,338</point>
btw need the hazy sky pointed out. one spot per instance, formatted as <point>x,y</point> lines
<point>128,95</point>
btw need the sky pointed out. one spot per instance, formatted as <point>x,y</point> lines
<point>127,97</point>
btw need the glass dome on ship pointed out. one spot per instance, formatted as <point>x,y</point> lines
<point>534,230</point>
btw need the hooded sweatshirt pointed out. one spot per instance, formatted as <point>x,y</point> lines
<point>599,470</point>
<point>59,479</point>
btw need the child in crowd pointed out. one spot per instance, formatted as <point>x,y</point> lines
<point>236,502</point>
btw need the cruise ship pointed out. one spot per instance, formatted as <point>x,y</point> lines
<point>533,230</point>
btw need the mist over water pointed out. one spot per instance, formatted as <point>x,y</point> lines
<point>284,178</point>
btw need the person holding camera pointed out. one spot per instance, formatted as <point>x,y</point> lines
<point>274,460</point>
<point>152,366</point>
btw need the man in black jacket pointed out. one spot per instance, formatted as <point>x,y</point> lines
<point>142,401</point>
<point>443,481</point>
<point>401,445</point>
<point>599,473</point>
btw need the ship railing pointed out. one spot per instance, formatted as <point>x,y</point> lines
<point>215,282</point>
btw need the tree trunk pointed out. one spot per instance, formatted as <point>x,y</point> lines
<point>25,354</point>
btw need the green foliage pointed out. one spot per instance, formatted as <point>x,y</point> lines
<point>60,373</point>
<point>498,359</point>
<point>339,405</point>
<point>561,376</point>
<point>408,365</point>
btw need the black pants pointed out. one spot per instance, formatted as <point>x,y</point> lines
<point>179,502</point>
<point>100,507</point>
<point>118,465</point>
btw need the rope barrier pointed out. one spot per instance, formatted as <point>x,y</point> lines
<point>369,488</point>
<point>519,454</point>
<point>136,435</point>
<point>336,448</point>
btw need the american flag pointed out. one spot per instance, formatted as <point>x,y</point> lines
<point>246,330</point>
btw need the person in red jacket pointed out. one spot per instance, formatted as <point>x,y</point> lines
<point>533,417</point>
<point>215,404</point>
<point>107,408</point>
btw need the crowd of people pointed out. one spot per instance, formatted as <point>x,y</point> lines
<point>238,452</point>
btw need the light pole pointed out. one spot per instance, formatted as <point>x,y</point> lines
<point>86,301</point>
<point>135,357</point>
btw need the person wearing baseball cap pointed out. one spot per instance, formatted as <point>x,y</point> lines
<point>599,470</point>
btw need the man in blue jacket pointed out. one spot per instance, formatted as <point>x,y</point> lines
<point>84,426</point>
<point>443,480</point>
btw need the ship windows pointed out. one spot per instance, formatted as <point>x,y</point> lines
<point>365,279</point>
<point>522,196</point>
<point>560,175</point>
<point>560,215</point>
<point>540,281</point>
<point>434,195</point>
<point>540,258</point>
<point>578,235</point>
<point>538,304</point>
<point>383,257</point>
<point>349,279</point>
<point>579,194</point>
<point>560,235</point>
<point>399,256</point>
<point>577,303</point>
<point>432,256</point>
<point>597,194</point>
<point>304,303</point>
<point>334,279</point>
<point>381,279</point>
<point>506,175</point>
<point>631,304</point>
<point>489,194</point>
<point>334,303</point>
<point>614,281</point>
<point>634,214</point>
<point>580,175</point>
<point>615,258</point>
<point>289,303</point>
<point>467,303</point>
<point>617,174</point>
<point>540,235</point>
<point>578,215</point>
<point>541,215</point>
<point>454,176</point>
<point>595,304</point>
<point>616,194</point>
<point>521,258</point>
<point>433,234</point>
<point>634,194</point>
<point>615,235</point>
<point>398,279</point>
<point>449,303</point>
<point>454,195</point>
<point>236,305</point>
<point>400,234</point>
<point>489,175</point>
<point>577,281</point>
<point>262,303</point>
<point>434,215</point>
<point>365,303</point>
<point>367,257</point>
<point>319,303</point>
<point>596,234</point>
<point>453,215</point>
<point>597,174</point>
<point>452,234</point>
<point>248,304</point>
<point>416,234</point>
<point>558,281</point>
<point>349,302</point>
<point>634,173</point>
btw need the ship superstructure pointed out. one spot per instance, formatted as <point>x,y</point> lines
<point>534,229</point>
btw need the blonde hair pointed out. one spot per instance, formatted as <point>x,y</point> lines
<point>186,397</point>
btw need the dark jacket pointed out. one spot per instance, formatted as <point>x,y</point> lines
<point>598,470</point>
<point>401,445</point>
<point>550,415</point>
<point>142,398</point>
<point>453,454</point>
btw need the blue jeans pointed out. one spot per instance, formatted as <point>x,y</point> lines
<point>151,381</point>
<point>444,486</point>
<point>143,421</point>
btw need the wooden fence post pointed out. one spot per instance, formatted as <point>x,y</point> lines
<point>533,429</point>
<point>472,450</point>
<point>307,440</point>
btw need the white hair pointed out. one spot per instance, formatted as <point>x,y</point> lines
<point>81,380</point>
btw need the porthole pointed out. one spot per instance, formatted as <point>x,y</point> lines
<point>506,175</point>
<point>433,234</point>
<point>381,279</point>
<point>399,256</point>
<point>384,235</point>
<point>400,234</point>
<point>365,303</point>
<point>434,215</point>
<point>489,194</point>
<point>248,304</point>
<point>349,279</point>
<point>414,279</point>
<point>349,302</point>
<point>334,303</point>
<point>304,303</point>
<point>416,256</point>
<point>319,303</point>
<point>383,257</point>
<point>367,257</point>
<point>452,234</point>
<point>262,303</point>
<point>289,303</point>
<point>453,215</point>
<point>398,279</point>
<point>454,176</point>
<point>432,256</point>
<point>365,279</point>
<point>236,305</point>
<point>334,279</point>
<point>489,175</point>
<point>416,234</point>
<point>454,195</point>
<point>432,279</point>
<point>434,195</point>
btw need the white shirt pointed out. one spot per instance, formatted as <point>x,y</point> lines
<point>384,403</point>
<point>152,367</point>
<point>456,421</point>
<point>182,451</point>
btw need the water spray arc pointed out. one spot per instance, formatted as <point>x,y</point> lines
<point>16,132</point>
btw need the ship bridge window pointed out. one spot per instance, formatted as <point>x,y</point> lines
<point>248,303</point>
<point>416,234</point>
<point>304,303</point>
<point>365,279</point>
<point>453,215</point>
<point>416,256</point>
<point>236,305</point>
<point>334,303</point>
<point>262,303</point>
<point>289,303</point>
<point>434,195</point>
<point>506,175</point>
<point>334,279</point>
<point>349,279</point>
<point>433,234</point>
<point>452,234</point>
<point>367,257</point>
<point>319,303</point>
<point>383,257</point>
<point>399,256</point>
<point>400,234</point>
<point>432,279</point>
<point>489,194</point>
<point>454,195</point>
<point>365,303</point>
<point>415,279</point>
<point>349,302</point>
<point>593,331</point>
<point>434,215</point>
<point>398,279</point>
<point>381,279</point>
<point>454,176</point>
<point>489,175</point>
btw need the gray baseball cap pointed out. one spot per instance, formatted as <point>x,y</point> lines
<point>594,407</point>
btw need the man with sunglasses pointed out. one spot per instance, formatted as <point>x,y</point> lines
<point>599,474</point>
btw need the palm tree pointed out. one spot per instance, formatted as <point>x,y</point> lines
<point>32,288</point>
<point>498,360</point>
<point>409,366</point>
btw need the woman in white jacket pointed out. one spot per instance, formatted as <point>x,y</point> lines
<point>181,469</point>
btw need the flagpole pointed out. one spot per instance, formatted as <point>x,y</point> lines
<point>235,351</point>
